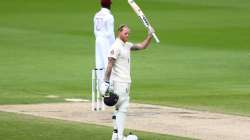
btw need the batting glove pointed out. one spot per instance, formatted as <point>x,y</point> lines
<point>104,87</point>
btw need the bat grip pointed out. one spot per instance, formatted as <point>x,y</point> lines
<point>156,38</point>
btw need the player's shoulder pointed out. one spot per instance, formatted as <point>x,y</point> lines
<point>110,17</point>
<point>129,44</point>
<point>98,13</point>
<point>116,43</point>
<point>106,13</point>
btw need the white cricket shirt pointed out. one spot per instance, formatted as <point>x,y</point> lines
<point>120,51</point>
<point>104,25</point>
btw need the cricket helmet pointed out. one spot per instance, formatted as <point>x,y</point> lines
<point>110,98</point>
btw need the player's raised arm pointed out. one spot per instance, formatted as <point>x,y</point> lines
<point>144,44</point>
<point>142,17</point>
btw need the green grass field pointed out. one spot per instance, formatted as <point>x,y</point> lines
<point>202,62</point>
<point>22,127</point>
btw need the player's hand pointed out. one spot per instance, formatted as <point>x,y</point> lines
<point>104,87</point>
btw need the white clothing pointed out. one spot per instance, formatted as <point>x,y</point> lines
<point>120,121</point>
<point>122,89</point>
<point>120,51</point>
<point>104,34</point>
<point>114,136</point>
<point>104,38</point>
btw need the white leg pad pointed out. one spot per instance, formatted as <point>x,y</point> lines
<point>120,122</point>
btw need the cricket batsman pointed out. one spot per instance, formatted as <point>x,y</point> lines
<point>104,36</point>
<point>117,76</point>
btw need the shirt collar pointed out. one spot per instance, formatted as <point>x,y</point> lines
<point>106,10</point>
<point>123,44</point>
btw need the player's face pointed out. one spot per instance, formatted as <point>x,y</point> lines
<point>124,34</point>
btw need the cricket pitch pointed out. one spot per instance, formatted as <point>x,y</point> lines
<point>150,118</point>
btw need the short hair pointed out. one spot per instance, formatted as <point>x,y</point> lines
<point>120,28</point>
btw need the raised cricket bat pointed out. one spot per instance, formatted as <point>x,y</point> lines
<point>143,18</point>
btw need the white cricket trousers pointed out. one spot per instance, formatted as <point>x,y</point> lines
<point>121,108</point>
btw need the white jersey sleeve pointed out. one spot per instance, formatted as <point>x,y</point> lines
<point>114,52</point>
<point>129,44</point>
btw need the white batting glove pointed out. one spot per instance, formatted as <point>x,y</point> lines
<point>104,87</point>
